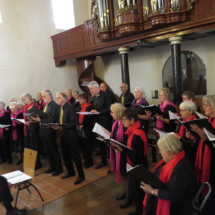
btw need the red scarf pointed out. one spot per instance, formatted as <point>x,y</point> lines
<point>1,129</point>
<point>182,128</point>
<point>27,107</point>
<point>163,206</point>
<point>203,162</point>
<point>135,131</point>
<point>12,115</point>
<point>83,109</point>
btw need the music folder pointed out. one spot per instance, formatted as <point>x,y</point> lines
<point>153,109</point>
<point>201,123</point>
<point>39,113</point>
<point>127,105</point>
<point>142,174</point>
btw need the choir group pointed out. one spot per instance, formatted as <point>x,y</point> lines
<point>188,160</point>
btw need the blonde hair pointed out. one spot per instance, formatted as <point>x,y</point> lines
<point>166,92</point>
<point>169,143</point>
<point>119,109</point>
<point>209,99</point>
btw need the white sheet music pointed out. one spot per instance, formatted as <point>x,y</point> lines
<point>4,126</point>
<point>101,131</point>
<point>210,136</point>
<point>16,177</point>
<point>162,134</point>
<point>173,116</point>
<point>200,115</point>
<point>87,113</point>
<point>19,120</point>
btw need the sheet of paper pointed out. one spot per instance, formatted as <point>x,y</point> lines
<point>13,174</point>
<point>87,113</point>
<point>173,116</point>
<point>4,126</point>
<point>201,116</point>
<point>210,136</point>
<point>162,134</point>
<point>101,131</point>
<point>19,120</point>
<point>19,179</point>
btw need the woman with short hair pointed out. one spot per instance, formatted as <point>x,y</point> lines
<point>139,95</point>
<point>205,158</point>
<point>17,135</point>
<point>177,173</point>
<point>187,111</point>
<point>163,122</point>
<point>136,139</point>
<point>85,122</point>
<point>31,128</point>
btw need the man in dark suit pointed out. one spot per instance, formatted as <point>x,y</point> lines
<point>101,105</point>
<point>48,135</point>
<point>103,87</point>
<point>71,99</point>
<point>69,139</point>
<point>126,97</point>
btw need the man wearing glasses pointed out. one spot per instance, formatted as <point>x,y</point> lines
<point>48,135</point>
<point>69,142</point>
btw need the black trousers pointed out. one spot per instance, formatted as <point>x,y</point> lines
<point>48,138</point>
<point>5,195</point>
<point>69,147</point>
<point>87,145</point>
<point>5,149</point>
<point>137,194</point>
<point>104,121</point>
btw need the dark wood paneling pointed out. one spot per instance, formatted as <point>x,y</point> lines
<point>84,41</point>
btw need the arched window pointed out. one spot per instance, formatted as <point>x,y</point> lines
<point>63,14</point>
<point>193,74</point>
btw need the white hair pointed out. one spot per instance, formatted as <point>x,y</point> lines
<point>48,92</point>
<point>189,105</point>
<point>141,90</point>
<point>12,98</point>
<point>93,84</point>
<point>27,95</point>
<point>13,103</point>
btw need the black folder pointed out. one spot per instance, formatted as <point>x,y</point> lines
<point>39,113</point>
<point>127,105</point>
<point>142,174</point>
<point>154,109</point>
<point>201,123</point>
<point>107,141</point>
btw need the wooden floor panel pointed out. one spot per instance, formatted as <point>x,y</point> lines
<point>97,198</point>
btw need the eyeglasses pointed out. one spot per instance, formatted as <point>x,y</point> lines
<point>124,119</point>
<point>58,98</point>
<point>205,105</point>
<point>183,110</point>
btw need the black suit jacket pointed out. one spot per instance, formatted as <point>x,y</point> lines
<point>69,117</point>
<point>53,111</point>
<point>128,97</point>
<point>102,103</point>
<point>71,101</point>
<point>112,97</point>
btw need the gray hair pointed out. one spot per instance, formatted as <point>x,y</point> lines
<point>166,92</point>
<point>209,99</point>
<point>169,143</point>
<point>141,90</point>
<point>76,92</point>
<point>62,94</point>
<point>189,105</point>
<point>12,98</point>
<point>20,102</point>
<point>27,95</point>
<point>189,94</point>
<point>2,104</point>
<point>13,103</point>
<point>48,92</point>
<point>93,84</point>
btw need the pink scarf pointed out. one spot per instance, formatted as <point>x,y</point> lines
<point>1,129</point>
<point>14,133</point>
<point>160,124</point>
<point>116,157</point>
